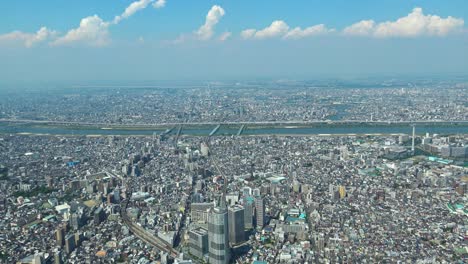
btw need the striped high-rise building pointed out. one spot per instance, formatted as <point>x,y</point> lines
<point>259,212</point>
<point>248,212</point>
<point>218,236</point>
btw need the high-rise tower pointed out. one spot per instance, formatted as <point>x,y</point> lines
<point>60,236</point>
<point>218,236</point>
<point>248,212</point>
<point>236,224</point>
<point>259,212</point>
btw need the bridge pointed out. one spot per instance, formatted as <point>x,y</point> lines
<point>145,236</point>
<point>241,129</point>
<point>215,130</point>
<point>169,130</point>
<point>179,131</point>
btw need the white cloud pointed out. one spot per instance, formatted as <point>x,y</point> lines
<point>92,31</point>
<point>206,31</point>
<point>298,33</point>
<point>362,28</point>
<point>414,24</point>
<point>279,29</point>
<point>248,33</point>
<point>29,39</point>
<point>225,36</point>
<point>132,9</point>
<point>159,4</point>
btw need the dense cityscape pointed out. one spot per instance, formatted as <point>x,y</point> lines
<point>174,198</point>
<point>241,102</point>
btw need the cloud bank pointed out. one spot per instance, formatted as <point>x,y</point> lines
<point>415,24</point>
<point>279,29</point>
<point>29,39</point>
<point>93,31</point>
<point>298,33</point>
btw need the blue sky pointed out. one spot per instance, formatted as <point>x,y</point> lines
<point>204,39</point>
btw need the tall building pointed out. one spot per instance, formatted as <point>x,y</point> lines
<point>236,224</point>
<point>344,153</point>
<point>99,216</point>
<point>60,236</point>
<point>198,242</point>
<point>110,198</point>
<point>319,241</point>
<point>296,186</point>
<point>117,195</point>
<point>342,191</point>
<point>259,212</point>
<point>50,182</point>
<point>75,221</point>
<point>78,239</point>
<point>248,212</point>
<point>70,243</point>
<point>218,238</point>
<point>335,192</point>
<point>204,149</point>
<point>58,257</point>
<point>331,191</point>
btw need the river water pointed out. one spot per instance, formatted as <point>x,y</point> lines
<point>9,128</point>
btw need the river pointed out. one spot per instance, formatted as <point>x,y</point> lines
<point>14,128</point>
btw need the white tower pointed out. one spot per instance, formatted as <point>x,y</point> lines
<point>414,136</point>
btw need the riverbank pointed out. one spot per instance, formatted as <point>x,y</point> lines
<point>299,129</point>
